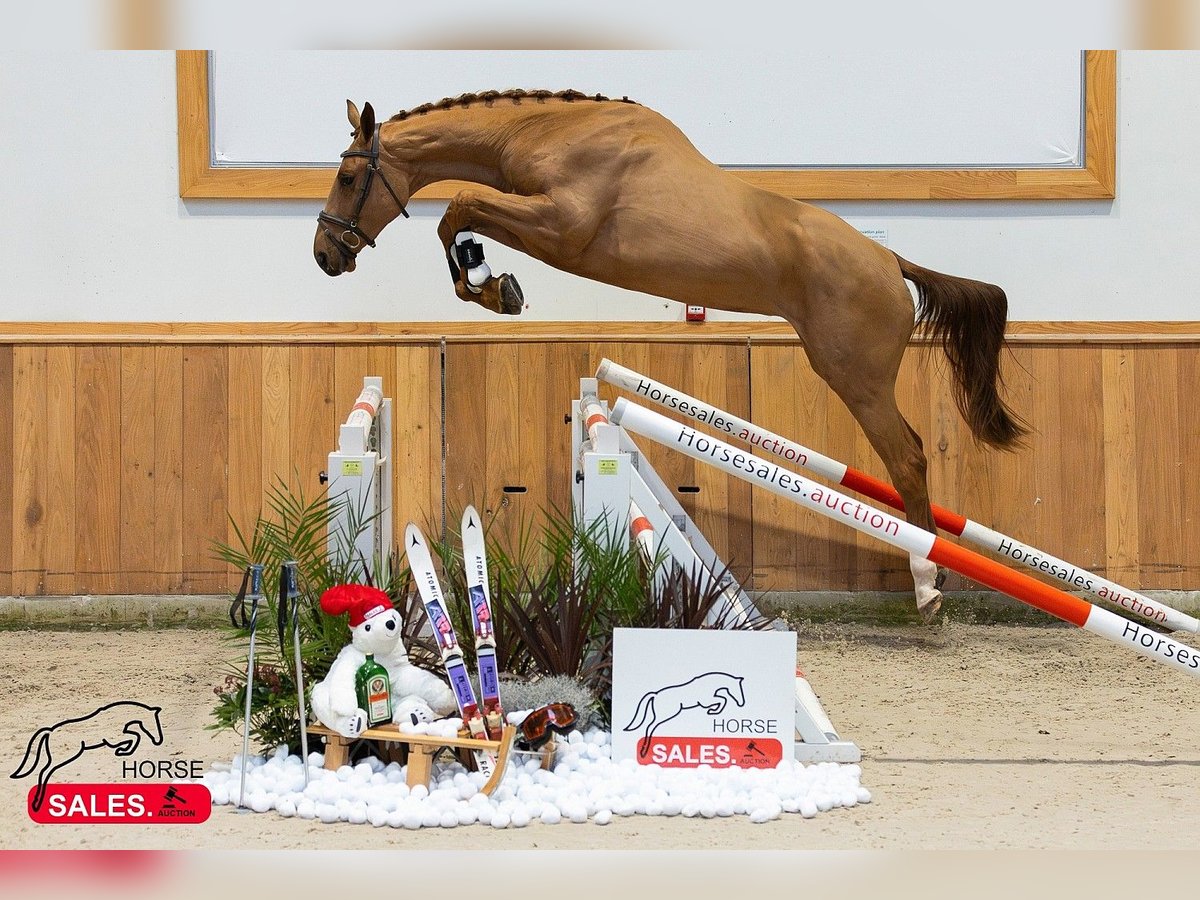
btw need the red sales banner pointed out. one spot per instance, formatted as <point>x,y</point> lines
<point>689,752</point>
<point>125,803</point>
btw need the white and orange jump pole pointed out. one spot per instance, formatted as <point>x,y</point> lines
<point>1074,577</point>
<point>916,541</point>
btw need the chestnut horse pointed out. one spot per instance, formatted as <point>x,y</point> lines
<point>612,191</point>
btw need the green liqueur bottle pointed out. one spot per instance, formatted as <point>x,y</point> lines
<point>374,691</point>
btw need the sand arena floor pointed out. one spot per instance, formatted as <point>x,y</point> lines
<point>973,737</point>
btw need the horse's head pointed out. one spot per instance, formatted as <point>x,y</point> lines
<point>152,725</point>
<point>357,210</point>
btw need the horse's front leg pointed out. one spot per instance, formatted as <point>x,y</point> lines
<point>513,220</point>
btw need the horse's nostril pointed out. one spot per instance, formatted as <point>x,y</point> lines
<point>322,260</point>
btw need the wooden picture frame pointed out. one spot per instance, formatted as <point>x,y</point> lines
<point>1096,180</point>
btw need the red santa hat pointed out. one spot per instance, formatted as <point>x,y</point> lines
<point>361,601</point>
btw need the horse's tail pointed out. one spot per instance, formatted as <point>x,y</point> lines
<point>28,764</point>
<point>639,714</point>
<point>967,319</point>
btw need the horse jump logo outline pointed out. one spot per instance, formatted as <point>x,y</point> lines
<point>713,691</point>
<point>119,725</point>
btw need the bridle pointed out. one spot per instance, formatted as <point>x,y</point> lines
<point>350,226</point>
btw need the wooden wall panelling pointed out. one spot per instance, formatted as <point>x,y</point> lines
<point>276,412</point>
<point>98,468</point>
<point>205,437</point>
<point>416,392</point>
<point>779,549</point>
<point>468,440</point>
<point>721,375</point>
<point>60,456</point>
<point>30,436</point>
<point>168,467</point>
<point>137,463</point>
<point>6,478</point>
<point>1159,470</point>
<point>1187,457</point>
<point>245,464</point>
<point>1120,460</point>
<point>313,418</point>
<point>1011,489</point>
<point>1081,476</point>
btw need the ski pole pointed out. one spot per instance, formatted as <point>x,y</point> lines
<point>291,591</point>
<point>255,593</point>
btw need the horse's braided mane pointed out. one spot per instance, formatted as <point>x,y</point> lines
<point>516,95</point>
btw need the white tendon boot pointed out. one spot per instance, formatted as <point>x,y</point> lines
<point>470,257</point>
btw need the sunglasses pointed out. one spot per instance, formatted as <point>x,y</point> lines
<point>539,726</point>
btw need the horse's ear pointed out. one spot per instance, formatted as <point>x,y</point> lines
<point>352,114</point>
<point>367,122</point>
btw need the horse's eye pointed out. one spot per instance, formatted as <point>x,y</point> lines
<point>347,180</point>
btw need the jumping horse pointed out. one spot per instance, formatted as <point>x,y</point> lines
<point>612,191</point>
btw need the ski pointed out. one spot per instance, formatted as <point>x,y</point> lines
<point>475,563</point>
<point>420,563</point>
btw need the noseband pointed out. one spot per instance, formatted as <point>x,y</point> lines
<point>349,226</point>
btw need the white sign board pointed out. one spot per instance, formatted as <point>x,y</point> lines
<point>685,698</point>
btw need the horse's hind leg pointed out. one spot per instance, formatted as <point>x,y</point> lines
<point>904,458</point>
<point>863,375</point>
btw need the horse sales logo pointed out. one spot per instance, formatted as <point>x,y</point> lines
<point>712,692</point>
<point>119,726</point>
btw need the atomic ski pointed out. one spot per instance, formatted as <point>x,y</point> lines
<point>475,562</point>
<point>420,563</point>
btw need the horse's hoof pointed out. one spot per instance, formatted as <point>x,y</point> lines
<point>929,611</point>
<point>940,578</point>
<point>512,301</point>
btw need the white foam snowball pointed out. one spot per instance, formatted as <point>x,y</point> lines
<point>220,795</point>
<point>520,817</point>
<point>306,809</point>
<point>327,813</point>
<point>377,815</point>
<point>449,819</point>
<point>378,779</point>
<point>575,737</point>
<point>286,807</point>
<point>500,819</point>
<point>551,815</point>
<point>484,814</point>
<point>467,815</point>
<point>672,806</point>
<point>808,809</point>
<point>419,792</point>
<point>431,817</point>
<point>760,815</point>
<point>358,814</point>
<point>578,814</point>
<point>824,802</point>
<point>603,817</point>
<point>344,773</point>
<point>412,819</point>
<point>863,795</point>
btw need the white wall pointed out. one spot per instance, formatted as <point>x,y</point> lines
<point>94,229</point>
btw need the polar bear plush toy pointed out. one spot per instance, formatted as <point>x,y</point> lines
<point>417,695</point>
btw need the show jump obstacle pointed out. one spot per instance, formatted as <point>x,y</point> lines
<point>617,488</point>
<point>360,482</point>
<point>869,520</point>
<point>1074,577</point>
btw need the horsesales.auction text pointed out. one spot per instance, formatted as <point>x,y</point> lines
<point>714,419</point>
<point>768,473</point>
<point>1085,580</point>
